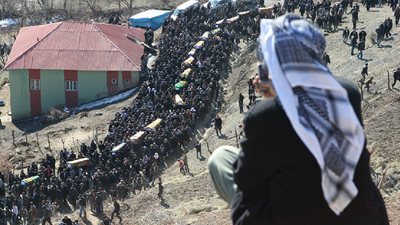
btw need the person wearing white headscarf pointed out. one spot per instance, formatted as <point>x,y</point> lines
<point>304,158</point>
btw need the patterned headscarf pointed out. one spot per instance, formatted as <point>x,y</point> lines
<point>317,106</point>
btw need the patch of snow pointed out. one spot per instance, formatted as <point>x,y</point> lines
<point>105,101</point>
<point>7,22</point>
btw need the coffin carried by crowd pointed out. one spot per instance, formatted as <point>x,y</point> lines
<point>136,138</point>
<point>192,52</point>
<point>233,19</point>
<point>219,22</point>
<point>153,125</point>
<point>186,72</point>
<point>118,147</point>
<point>265,10</point>
<point>29,180</point>
<point>206,35</point>
<point>78,162</point>
<point>215,31</point>
<point>199,44</point>
<point>188,61</point>
<point>178,100</point>
<point>243,13</point>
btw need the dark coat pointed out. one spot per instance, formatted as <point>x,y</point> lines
<point>279,180</point>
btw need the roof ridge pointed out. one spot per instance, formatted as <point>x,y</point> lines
<point>39,41</point>
<point>105,36</point>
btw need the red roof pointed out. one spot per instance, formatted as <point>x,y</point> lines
<point>77,46</point>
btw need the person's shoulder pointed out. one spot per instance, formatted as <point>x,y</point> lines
<point>353,95</point>
<point>350,87</point>
<point>264,107</point>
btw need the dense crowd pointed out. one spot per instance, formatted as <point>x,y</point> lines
<point>120,174</point>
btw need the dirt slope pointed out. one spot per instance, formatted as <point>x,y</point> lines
<point>379,108</point>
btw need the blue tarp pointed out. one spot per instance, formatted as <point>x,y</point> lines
<point>155,18</point>
<point>6,22</point>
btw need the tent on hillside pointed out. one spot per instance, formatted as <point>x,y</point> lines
<point>153,17</point>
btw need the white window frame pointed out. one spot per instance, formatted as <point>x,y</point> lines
<point>34,84</point>
<point>127,81</point>
<point>113,81</point>
<point>71,85</point>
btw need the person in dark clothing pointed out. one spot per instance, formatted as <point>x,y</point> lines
<point>379,35</point>
<point>354,16</point>
<point>116,210</point>
<point>361,47</point>
<point>198,150</point>
<point>364,73</point>
<point>277,176</point>
<point>99,204</point>
<point>396,76</point>
<point>241,99</point>
<point>362,36</point>
<point>218,125</point>
<point>111,20</point>
<point>353,38</point>
<point>388,24</point>
<point>67,220</point>
<point>105,221</point>
<point>368,83</point>
<point>345,34</point>
<point>325,59</point>
<point>160,191</point>
<point>397,15</point>
<point>82,205</point>
<point>46,216</point>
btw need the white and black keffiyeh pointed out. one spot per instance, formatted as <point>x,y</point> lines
<point>316,105</point>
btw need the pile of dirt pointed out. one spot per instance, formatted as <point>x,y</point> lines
<point>54,115</point>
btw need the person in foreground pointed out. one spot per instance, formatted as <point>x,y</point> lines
<point>304,158</point>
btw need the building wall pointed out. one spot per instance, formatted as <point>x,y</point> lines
<point>52,89</point>
<point>135,78</point>
<point>92,85</point>
<point>19,94</point>
<point>120,81</point>
<point>35,94</point>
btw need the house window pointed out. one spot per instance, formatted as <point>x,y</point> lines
<point>71,85</point>
<point>113,81</point>
<point>35,84</point>
<point>127,81</point>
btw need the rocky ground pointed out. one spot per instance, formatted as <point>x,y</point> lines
<point>191,199</point>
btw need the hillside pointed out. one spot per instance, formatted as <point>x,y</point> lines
<point>192,200</point>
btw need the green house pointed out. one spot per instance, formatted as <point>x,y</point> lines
<point>71,63</point>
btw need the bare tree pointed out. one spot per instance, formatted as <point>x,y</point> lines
<point>91,4</point>
<point>129,4</point>
<point>65,5</point>
<point>43,4</point>
<point>3,5</point>
<point>47,7</point>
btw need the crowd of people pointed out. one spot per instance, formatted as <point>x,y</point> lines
<point>117,175</point>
